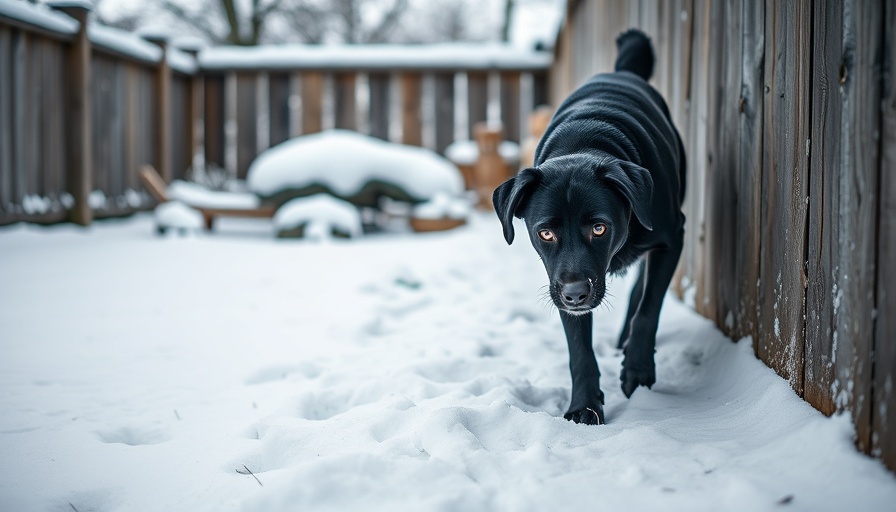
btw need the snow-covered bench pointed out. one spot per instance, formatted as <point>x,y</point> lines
<point>210,204</point>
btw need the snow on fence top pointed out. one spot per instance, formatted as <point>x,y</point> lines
<point>424,57</point>
<point>40,17</point>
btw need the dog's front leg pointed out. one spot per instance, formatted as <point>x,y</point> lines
<point>587,401</point>
<point>638,367</point>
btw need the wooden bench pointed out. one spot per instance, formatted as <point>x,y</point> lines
<point>157,188</point>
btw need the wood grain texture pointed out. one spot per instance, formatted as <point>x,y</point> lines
<point>883,410</point>
<point>784,189</point>
<point>748,180</point>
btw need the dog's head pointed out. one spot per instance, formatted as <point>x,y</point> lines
<point>577,211</point>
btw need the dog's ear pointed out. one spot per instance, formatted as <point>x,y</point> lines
<point>508,198</point>
<point>636,186</point>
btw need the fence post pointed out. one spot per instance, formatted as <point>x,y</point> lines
<point>163,109</point>
<point>80,165</point>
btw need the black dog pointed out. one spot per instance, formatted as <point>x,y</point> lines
<point>606,191</point>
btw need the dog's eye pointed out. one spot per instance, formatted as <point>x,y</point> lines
<point>599,229</point>
<point>547,235</point>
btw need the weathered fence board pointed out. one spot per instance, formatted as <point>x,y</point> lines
<point>784,189</point>
<point>510,105</point>
<point>346,106</point>
<point>748,184</point>
<point>246,121</point>
<point>214,119</point>
<point>883,412</point>
<point>444,114</point>
<point>411,119</point>
<point>280,91</point>
<point>312,101</point>
<point>477,99</point>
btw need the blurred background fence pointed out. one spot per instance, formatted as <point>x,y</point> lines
<point>788,113</point>
<point>70,147</point>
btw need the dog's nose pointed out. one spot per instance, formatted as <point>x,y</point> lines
<point>575,293</point>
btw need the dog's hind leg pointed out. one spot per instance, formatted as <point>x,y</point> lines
<point>633,302</point>
<point>638,367</point>
<point>587,401</point>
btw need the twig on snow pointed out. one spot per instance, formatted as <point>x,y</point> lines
<point>249,472</point>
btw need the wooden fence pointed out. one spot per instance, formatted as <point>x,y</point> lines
<point>788,112</point>
<point>83,106</point>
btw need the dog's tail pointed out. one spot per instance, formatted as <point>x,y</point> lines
<point>635,53</point>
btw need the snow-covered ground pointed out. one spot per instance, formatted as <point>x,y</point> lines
<point>391,372</point>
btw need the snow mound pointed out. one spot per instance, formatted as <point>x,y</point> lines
<point>177,215</point>
<point>201,197</point>
<point>353,167</point>
<point>443,207</point>
<point>319,216</point>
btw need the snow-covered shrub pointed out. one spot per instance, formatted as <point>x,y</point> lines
<point>317,217</point>
<point>177,216</point>
<point>352,167</point>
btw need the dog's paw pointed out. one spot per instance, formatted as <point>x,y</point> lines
<point>588,415</point>
<point>633,376</point>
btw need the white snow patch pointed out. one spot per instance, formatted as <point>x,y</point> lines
<point>443,207</point>
<point>96,200</point>
<point>345,161</point>
<point>175,214</point>
<point>201,197</point>
<point>321,214</point>
<point>466,152</point>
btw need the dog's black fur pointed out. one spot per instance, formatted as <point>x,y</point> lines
<point>606,191</point>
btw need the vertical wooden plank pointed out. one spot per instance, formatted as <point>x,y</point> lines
<point>117,169</point>
<point>163,112</point>
<point>312,101</point>
<point>824,207</point>
<point>692,253</point>
<point>510,105</point>
<point>540,93</point>
<point>749,171</point>
<point>79,128</point>
<point>131,122</point>
<point>858,189</point>
<point>279,86</point>
<point>181,125</point>
<point>883,412</point>
<point>246,121</point>
<point>477,98</point>
<point>411,91</point>
<point>444,118</point>
<point>720,160</point>
<point>379,104</point>
<point>6,125</point>
<point>785,162</point>
<point>214,120</point>
<point>345,98</point>
<point>33,107</point>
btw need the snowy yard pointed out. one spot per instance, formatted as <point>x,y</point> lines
<point>393,372</point>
